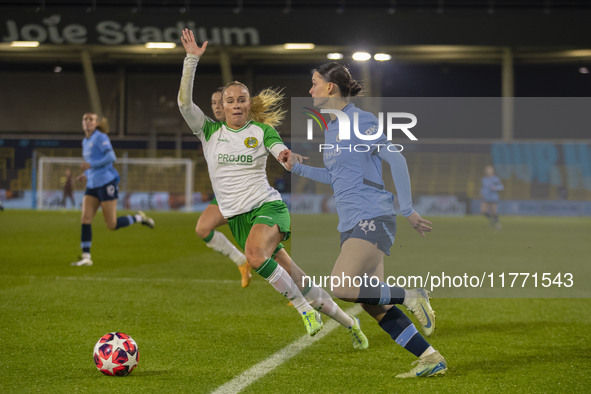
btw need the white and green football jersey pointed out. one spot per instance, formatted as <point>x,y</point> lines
<point>237,161</point>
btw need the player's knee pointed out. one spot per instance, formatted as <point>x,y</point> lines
<point>344,286</point>
<point>202,231</point>
<point>112,225</point>
<point>255,255</point>
<point>339,292</point>
<point>345,293</point>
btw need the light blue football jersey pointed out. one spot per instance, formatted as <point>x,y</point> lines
<point>98,152</point>
<point>356,177</point>
<point>491,185</point>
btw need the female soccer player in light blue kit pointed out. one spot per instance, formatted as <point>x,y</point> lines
<point>489,191</point>
<point>101,185</point>
<point>367,218</point>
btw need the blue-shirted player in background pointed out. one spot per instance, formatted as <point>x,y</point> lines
<point>489,192</point>
<point>101,184</point>
<point>367,218</point>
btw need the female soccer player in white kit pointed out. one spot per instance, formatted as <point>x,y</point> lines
<point>367,219</point>
<point>236,152</point>
<point>211,218</point>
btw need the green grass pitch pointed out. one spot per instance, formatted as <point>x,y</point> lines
<point>196,328</point>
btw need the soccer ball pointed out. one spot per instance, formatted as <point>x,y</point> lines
<point>116,354</point>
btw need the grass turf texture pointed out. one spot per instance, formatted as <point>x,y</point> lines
<point>196,328</point>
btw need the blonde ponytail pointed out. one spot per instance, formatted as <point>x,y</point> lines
<point>103,125</point>
<point>266,107</point>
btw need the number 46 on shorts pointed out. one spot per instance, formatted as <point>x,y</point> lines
<point>367,225</point>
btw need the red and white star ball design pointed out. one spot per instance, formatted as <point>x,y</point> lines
<point>116,354</point>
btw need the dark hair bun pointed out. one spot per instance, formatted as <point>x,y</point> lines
<point>338,74</point>
<point>354,89</point>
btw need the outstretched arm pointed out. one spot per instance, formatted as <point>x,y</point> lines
<point>314,173</point>
<point>401,179</point>
<point>293,162</point>
<point>193,115</point>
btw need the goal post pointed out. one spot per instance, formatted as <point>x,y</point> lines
<point>146,183</point>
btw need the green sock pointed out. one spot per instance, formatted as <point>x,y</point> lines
<point>267,268</point>
<point>282,282</point>
<point>209,237</point>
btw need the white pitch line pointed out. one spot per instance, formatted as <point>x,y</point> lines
<point>259,370</point>
<point>121,279</point>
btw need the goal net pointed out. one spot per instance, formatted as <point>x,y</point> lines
<point>146,183</point>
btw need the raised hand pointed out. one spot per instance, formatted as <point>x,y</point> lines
<point>188,40</point>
